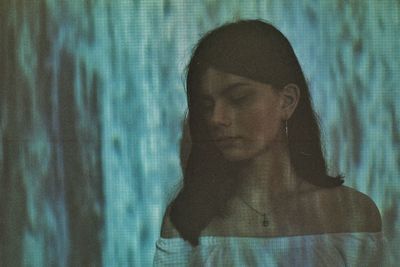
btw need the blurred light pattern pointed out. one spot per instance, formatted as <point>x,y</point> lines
<point>92,100</point>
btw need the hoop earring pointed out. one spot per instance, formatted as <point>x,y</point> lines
<point>286,130</point>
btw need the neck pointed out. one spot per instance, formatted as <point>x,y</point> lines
<point>269,177</point>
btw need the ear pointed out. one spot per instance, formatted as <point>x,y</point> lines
<point>290,95</point>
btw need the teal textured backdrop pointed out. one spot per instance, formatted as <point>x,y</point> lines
<point>92,99</point>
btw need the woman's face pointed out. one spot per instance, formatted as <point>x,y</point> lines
<point>243,116</point>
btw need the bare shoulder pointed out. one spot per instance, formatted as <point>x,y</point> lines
<point>167,228</point>
<point>360,213</point>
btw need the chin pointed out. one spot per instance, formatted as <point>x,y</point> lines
<point>236,156</point>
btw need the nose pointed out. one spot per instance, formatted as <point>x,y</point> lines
<point>221,115</point>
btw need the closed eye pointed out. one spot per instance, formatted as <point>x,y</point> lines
<point>239,99</point>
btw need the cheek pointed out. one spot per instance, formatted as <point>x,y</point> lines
<point>260,123</point>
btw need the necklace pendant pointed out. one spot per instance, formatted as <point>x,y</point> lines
<point>265,221</point>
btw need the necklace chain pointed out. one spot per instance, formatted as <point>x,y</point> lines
<point>261,213</point>
<point>265,222</point>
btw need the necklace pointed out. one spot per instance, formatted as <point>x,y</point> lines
<point>265,222</point>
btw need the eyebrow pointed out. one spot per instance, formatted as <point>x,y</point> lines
<point>228,88</point>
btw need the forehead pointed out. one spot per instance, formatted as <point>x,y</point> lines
<point>216,82</point>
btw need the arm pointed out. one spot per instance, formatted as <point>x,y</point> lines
<point>167,229</point>
<point>170,252</point>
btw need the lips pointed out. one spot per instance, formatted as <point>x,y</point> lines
<point>227,141</point>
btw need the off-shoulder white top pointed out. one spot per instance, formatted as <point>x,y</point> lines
<point>330,249</point>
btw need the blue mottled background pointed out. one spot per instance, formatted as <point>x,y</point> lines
<point>92,99</point>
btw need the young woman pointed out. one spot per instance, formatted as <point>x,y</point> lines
<point>256,191</point>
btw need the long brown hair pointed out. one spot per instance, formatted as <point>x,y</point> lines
<point>256,50</point>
